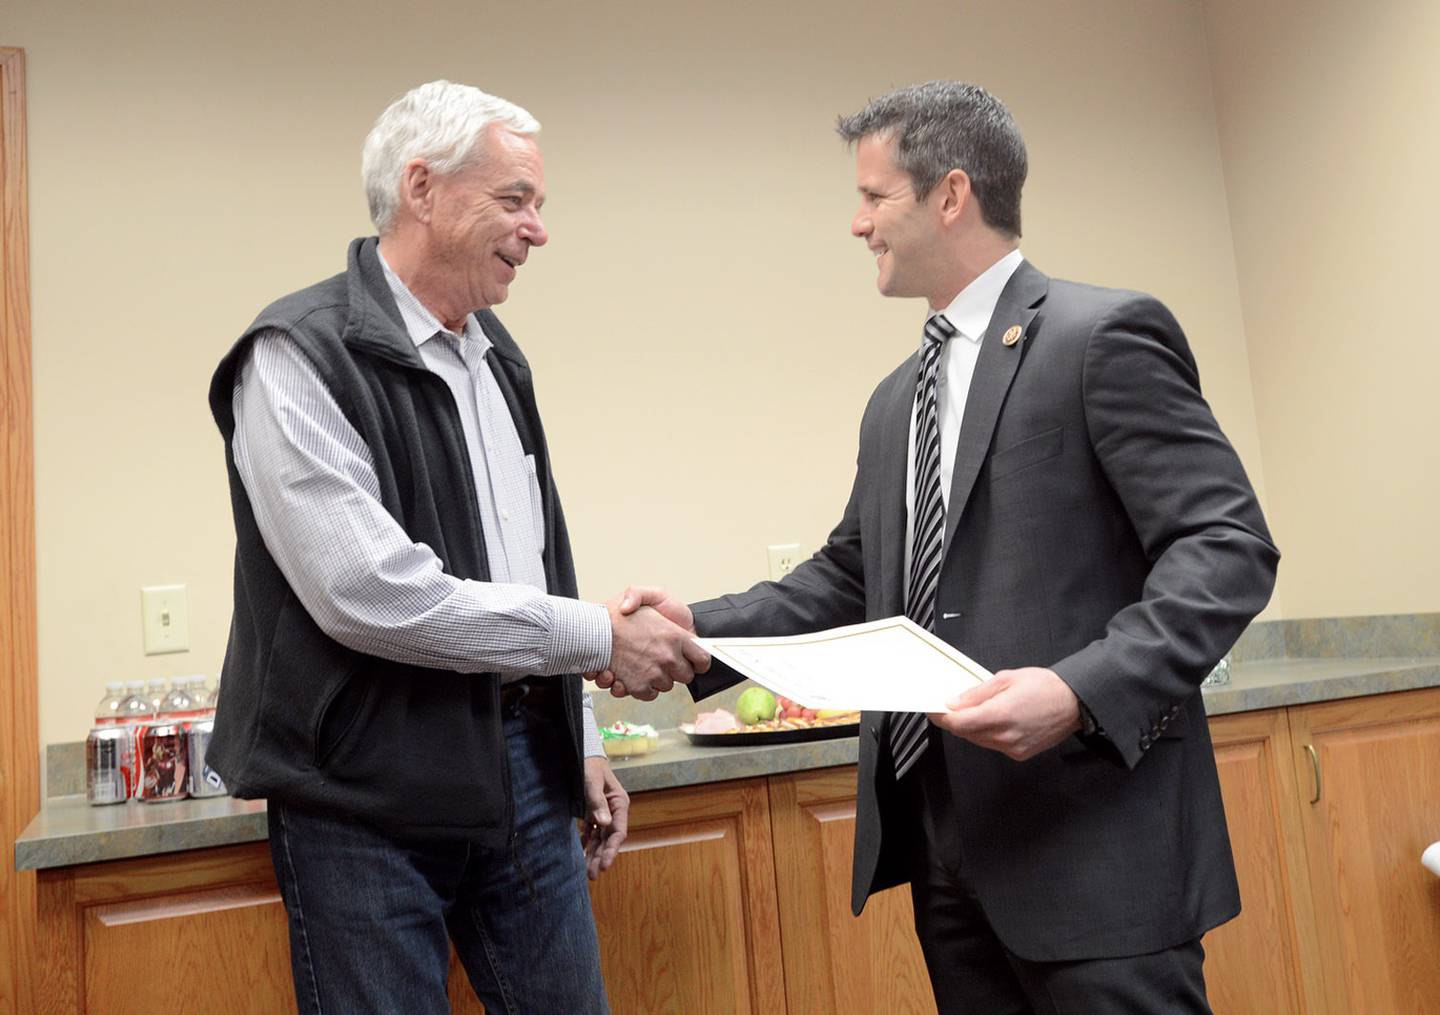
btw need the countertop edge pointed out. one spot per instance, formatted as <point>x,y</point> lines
<point>243,822</point>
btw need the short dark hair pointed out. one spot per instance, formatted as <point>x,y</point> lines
<point>945,125</point>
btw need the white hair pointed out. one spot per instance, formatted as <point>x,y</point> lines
<point>439,122</point>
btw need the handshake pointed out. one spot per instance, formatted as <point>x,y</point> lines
<point>651,647</point>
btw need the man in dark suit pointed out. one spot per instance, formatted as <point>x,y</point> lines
<point>1045,487</point>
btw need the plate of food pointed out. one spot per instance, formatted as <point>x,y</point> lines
<point>762,718</point>
<point>627,739</point>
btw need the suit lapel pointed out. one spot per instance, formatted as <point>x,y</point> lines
<point>994,371</point>
<point>894,459</point>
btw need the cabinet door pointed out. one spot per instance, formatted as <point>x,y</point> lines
<point>1369,772</point>
<point>687,916</point>
<point>1264,962</point>
<point>834,962</point>
<point>196,931</point>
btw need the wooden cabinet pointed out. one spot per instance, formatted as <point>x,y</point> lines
<point>1329,807</point>
<point>197,931</point>
<point>1369,770</point>
<point>834,962</point>
<point>687,916</point>
<point>1264,962</point>
<point>734,897</point>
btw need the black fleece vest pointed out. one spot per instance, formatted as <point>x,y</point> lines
<point>301,717</point>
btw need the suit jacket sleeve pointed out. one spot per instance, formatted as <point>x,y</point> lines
<point>826,591</point>
<point>1193,509</point>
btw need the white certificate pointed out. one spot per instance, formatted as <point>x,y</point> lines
<point>884,666</point>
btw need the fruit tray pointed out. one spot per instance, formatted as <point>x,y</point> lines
<point>778,731</point>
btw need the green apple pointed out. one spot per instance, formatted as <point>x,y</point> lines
<point>755,705</point>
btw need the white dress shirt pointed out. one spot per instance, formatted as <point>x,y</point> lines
<point>970,312</point>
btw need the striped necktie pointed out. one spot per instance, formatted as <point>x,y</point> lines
<point>909,731</point>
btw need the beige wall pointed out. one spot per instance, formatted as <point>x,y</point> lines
<point>704,330</point>
<point>1328,113</point>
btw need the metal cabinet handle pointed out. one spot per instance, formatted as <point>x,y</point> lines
<point>1315,766</point>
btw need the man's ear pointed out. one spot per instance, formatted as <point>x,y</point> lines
<point>954,195</point>
<point>417,189</point>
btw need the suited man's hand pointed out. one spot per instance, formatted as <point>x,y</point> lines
<point>661,600</point>
<point>1018,713</point>
<point>672,609</point>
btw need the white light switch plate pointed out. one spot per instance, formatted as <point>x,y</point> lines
<point>167,624</point>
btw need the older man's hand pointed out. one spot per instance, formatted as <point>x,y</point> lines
<point>607,817</point>
<point>634,598</point>
<point>649,653</point>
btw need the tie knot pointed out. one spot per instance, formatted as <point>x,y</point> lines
<point>938,329</point>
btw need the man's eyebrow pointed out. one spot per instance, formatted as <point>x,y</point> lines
<point>525,188</point>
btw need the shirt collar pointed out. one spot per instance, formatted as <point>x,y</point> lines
<point>420,323</point>
<point>970,311</point>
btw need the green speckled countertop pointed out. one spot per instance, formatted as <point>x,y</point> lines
<point>68,831</point>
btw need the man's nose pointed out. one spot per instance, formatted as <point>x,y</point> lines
<point>861,225</point>
<point>533,231</point>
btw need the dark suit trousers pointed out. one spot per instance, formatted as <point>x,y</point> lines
<point>973,973</point>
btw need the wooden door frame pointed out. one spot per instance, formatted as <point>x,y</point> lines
<point>19,701</point>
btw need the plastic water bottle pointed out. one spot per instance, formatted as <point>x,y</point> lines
<point>155,694</point>
<point>179,705</point>
<point>211,699</point>
<point>135,708</point>
<point>107,712</point>
<point>1220,675</point>
<point>200,695</point>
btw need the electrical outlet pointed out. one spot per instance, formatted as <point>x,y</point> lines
<point>783,558</point>
<point>167,626</point>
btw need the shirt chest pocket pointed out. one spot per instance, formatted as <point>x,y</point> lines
<point>537,506</point>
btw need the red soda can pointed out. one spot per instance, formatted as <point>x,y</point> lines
<point>162,762</point>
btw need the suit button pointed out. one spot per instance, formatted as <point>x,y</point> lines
<point>1144,741</point>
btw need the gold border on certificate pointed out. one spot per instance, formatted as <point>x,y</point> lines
<point>763,672</point>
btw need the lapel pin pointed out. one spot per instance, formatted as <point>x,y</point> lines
<point>1011,336</point>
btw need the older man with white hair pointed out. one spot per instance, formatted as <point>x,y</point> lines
<point>401,678</point>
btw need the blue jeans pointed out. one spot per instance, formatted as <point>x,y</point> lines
<point>372,912</point>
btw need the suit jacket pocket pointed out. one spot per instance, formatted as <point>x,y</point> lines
<point>1028,452</point>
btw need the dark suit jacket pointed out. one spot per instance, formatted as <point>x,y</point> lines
<point>1099,524</point>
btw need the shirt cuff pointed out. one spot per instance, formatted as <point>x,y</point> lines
<point>579,637</point>
<point>594,747</point>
